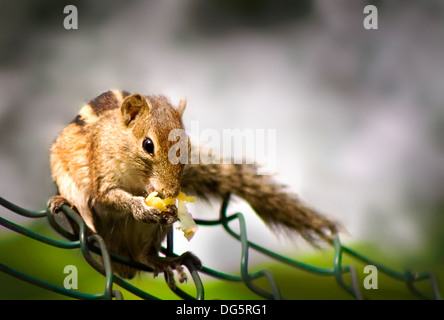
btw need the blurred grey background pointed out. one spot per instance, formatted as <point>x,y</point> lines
<point>359,113</point>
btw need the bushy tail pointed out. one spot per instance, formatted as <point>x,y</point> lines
<point>276,207</point>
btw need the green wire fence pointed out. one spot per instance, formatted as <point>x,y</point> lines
<point>94,244</point>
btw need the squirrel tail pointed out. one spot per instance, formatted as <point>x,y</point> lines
<point>278,208</point>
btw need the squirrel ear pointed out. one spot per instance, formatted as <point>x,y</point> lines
<point>182,105</point>
<point>132,106</point>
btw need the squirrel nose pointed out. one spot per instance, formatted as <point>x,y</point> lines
<point>165,189</point>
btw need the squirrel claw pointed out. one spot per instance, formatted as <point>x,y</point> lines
<point>56,203</point>
<point>168,264</point>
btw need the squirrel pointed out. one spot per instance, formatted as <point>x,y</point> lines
<point>115,152</point>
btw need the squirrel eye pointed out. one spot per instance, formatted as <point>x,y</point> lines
<point>148,145</point>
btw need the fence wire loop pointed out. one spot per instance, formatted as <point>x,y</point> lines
<point>88,243</point>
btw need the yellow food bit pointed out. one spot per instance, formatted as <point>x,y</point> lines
<point>187,224</point>
<point>154,201</point>
<point>183,197</point>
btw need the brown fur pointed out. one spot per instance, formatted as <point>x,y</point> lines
<point>101,169</point>
<point>278,208</point>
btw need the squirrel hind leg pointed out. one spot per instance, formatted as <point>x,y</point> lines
<point>123,270</point>
<point>168,264</point>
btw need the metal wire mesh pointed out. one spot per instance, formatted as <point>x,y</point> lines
<point>95,244</point>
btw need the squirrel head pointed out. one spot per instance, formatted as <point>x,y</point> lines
<point>155,125</point>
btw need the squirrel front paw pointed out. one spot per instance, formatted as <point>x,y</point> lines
<point>56,203</point>
<point>149,214</point>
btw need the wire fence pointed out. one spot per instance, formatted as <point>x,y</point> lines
<point>89,244</point>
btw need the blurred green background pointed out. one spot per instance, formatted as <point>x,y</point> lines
<point>359,115</point>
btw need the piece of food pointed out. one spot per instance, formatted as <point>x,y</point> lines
<point>186,222</point>
<point>154,201</point>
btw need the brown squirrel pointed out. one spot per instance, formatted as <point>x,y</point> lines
<point>115,153</point>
